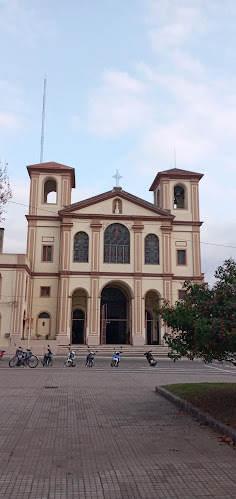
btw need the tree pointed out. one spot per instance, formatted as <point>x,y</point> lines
<point>204,323</point>
<point>5,190</point>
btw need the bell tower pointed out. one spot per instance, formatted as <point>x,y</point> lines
<point>176,190</point>
<point>51,185</point>
<point>50,192</point>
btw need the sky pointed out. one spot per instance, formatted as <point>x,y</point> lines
<point>128,82</point>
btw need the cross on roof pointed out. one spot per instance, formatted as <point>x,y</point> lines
<point>117,176</point>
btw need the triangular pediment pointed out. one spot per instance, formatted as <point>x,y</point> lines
<point>103,204</point>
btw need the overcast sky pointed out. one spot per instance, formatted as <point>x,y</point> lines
<point>127,82</point>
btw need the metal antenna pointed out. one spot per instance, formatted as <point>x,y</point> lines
<point>175,157</point>
<point>43,120</point>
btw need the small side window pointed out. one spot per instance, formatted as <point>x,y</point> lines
<point>47,253</point>
<point>182,294</point>
<point>181,257</point>
<point>45,291</point>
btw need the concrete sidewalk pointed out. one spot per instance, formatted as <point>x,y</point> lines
<point>84,434</point>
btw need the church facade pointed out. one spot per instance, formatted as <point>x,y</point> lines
<point>95,271</point>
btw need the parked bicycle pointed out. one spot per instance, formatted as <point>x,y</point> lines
<point>47,359</point>
<point>22,358</point>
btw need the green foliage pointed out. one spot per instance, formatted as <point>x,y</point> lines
<point>204,323</point>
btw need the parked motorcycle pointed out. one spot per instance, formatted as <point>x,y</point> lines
<point>152,362</point>
<point>1,354</point>
<point>47,359</point>
<point>70,358</point>
<point>90,359</point>
<point>115,359</point>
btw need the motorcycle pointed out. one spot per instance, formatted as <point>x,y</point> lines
<point>1,354</point>
<point>70,358</point>
<point>90,359</point>
<point>47,359</point>
<point>115,359</point>
<point>152,362</point>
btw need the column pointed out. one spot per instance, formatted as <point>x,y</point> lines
<point>94,317</point>
<point>64,304</point>
<point>167,267</point>
<point>139,312</point>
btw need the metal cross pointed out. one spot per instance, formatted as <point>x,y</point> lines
<point>117,176</point>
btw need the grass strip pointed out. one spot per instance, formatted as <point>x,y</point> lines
<point>216,399</point>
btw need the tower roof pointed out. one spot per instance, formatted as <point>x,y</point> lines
<point>52,167</point>
<point>175,173</point>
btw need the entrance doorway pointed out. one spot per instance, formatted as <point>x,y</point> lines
<point>152,319</point>
<point>79,310</point>
<point>78,327</point>
<point>114,316</point>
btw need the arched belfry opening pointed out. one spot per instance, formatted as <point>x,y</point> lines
<point>115,315</point>
<point>79,315</point>
<point>179,197</point>
<point>152,319</point>
<point>50,191</point>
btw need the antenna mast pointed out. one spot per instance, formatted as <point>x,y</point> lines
<point>175,157</point>
<point>43,120</point>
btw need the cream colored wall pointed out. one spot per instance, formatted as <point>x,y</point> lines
<point>45,304</point>
<point>84,225</point>
<point>47,229</point>
<point>13,301</point>
<point>182,240</point>
<point>167,198</point>
<point>105,207</point>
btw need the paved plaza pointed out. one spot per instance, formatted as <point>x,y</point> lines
<point>104,433</point>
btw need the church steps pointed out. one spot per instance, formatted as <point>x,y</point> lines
<point>128,350</point>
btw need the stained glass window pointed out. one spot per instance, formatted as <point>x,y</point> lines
<point>81,247</point>
<point>116,244</point>
<point>152,249</point>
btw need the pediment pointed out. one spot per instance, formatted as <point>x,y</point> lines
<point>103,205</point>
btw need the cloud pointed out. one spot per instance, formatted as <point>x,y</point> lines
<point>19,19</point>
<point>118,105</point>
<point>171,22</point>
<point>9,120</point>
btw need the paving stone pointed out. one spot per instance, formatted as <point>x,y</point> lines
<point>104,436</point>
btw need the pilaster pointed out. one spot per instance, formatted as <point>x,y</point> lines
<point>196,252</point>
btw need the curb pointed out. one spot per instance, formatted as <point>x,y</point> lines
<point>202,416</point>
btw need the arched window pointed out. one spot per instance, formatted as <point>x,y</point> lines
<point>81,247</point>
<point>152,249</point>
<point>179,197</point>
<point>50,191</point>
<point>116,244</point>
<point>44,315</point>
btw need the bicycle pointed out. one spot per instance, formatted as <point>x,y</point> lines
<point>23,359</point>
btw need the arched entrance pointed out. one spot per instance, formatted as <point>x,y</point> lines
<point>79,309</point>
<point>152,319</point>
<point>115,316</point>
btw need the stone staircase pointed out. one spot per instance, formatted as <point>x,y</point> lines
<point>127,350</point>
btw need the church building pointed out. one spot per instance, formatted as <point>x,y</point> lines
<point>95,271</point>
